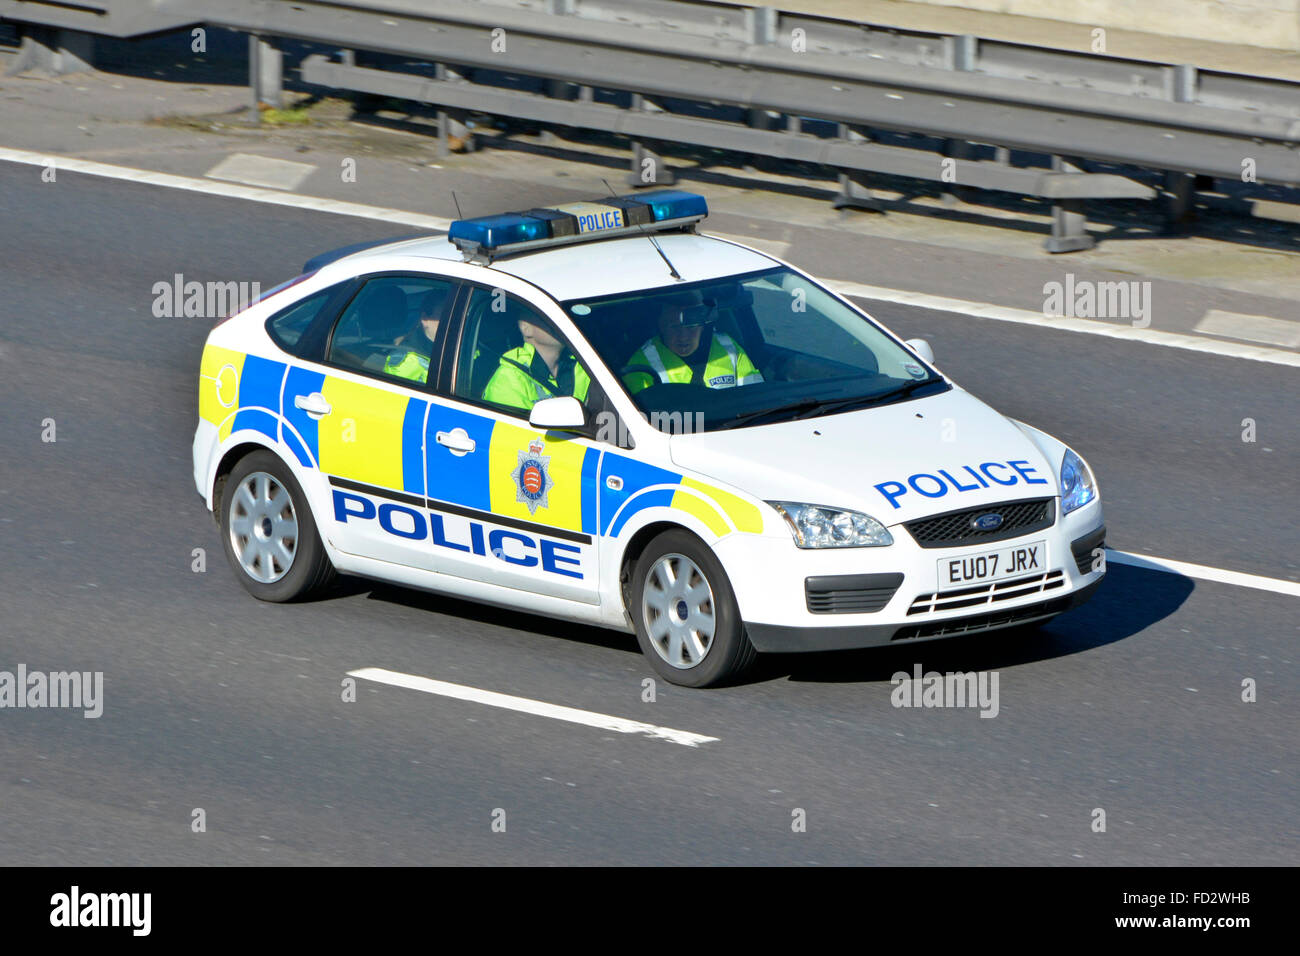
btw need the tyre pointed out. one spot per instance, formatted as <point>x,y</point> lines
<point>268,531</point>
<point>687,621</point>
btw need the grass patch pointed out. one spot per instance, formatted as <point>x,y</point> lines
<point>297,116</point>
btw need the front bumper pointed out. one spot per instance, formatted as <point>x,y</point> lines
<point>839,599</point>
<point>784,639</point>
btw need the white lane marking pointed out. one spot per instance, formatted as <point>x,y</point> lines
<point>228,190</point>
<point>1001,313</point>
<point>982,310</point>
<point>1255,328</point>
<point>773,247</point>
<point>526,706</point>
<point>1238,578</point>
<point>261,171</point>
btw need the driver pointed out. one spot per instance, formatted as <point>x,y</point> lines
<point>410,360</point>
<point>689,350</point>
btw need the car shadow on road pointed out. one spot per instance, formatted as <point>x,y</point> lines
<point>1128,602</point>
<point>473,612</point>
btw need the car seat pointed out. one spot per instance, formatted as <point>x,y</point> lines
<point>495,333</point>
<point>381,319</point>
<point>382,314</point>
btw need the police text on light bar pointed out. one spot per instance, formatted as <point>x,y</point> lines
<point>489,236</point>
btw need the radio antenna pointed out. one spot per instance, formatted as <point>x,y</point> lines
<point>459,214</point>
<point>668,262</point>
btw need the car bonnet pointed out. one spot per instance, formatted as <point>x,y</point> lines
<point>895,462</point>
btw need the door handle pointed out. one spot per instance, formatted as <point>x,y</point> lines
<point>456,441</point>
<point>314,404</point>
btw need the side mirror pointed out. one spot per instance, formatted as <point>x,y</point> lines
<point>922,348</point>
<point>564,413</point>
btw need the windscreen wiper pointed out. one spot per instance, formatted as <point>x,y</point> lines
<point>803,405</point>
<point>808,405</point>
<point>903,391</point>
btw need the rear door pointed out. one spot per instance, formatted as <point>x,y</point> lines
<point>362,412</point>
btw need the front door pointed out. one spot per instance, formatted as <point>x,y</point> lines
<point>509,504</point>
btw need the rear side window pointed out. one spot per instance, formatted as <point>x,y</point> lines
<point>391,328</point>
<point>287,327</point>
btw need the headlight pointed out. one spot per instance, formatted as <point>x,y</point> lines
<point>815,526</point>
<point>1077,486</point>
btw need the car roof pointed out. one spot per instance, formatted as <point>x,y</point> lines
<point>611,266</point>
<point>601,267</point>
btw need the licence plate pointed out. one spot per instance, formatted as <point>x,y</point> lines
<point>1011,562</point>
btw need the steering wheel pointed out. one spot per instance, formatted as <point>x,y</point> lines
<point>633,369</point>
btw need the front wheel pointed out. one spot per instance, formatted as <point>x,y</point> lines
<point>267,529</point>
<point>685,613</point>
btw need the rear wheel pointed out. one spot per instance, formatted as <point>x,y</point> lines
<point>268,532</point>
<point>685,613</point>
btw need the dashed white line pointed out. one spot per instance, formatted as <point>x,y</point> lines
<point>1238,578</point>
<point>229,190</point>
<point>1255,328</point>
<point>773,247</point>
<point>1002,313</point>
<point>525,705</point>
<point>261,171</point>
<point>982,310</point>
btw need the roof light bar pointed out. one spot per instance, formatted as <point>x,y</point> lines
<point>489,236</point>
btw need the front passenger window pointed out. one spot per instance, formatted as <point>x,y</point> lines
<point>512,356</point>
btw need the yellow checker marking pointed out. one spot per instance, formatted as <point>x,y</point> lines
<point>697,506</point>
<point>361,437</point>
<point>219,372</point>
<point>743,515</point>
<point>564,497</point>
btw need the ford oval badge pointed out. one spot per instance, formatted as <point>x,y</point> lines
<point>987,522</point>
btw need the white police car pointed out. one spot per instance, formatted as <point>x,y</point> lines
<point>594,413</point>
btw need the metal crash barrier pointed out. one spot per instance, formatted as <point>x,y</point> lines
<point>757,80</point>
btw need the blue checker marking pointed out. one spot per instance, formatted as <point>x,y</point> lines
<point>257,420</point>
<point>413,446</point>
<point>459,481</point>
<point>296,447</point>
<point>302,381</point>
<point>590,477</point>
<point>259,383</point>
<point>663,497</point>
<point>636,475</point>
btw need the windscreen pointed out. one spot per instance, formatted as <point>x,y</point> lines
<point>750,349</point>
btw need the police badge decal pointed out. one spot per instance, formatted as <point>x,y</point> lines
<point>532,479</point>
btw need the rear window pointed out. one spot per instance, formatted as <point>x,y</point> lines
<point>287,326</point>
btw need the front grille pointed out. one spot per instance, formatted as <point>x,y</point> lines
<point>990,593</point>
<point>954,527</point>
<point>984,622</point>
<point>850,593</point>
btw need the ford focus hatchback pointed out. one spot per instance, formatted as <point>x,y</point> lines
<point>595,412</point>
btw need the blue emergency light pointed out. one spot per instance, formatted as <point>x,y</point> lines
<point>489,236</point>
